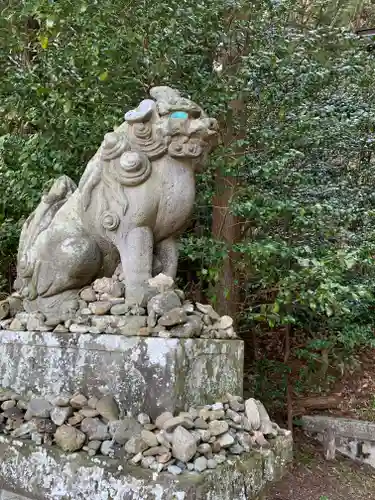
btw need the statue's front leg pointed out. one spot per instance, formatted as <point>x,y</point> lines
<point>136,252</point>
<point>167,253</point>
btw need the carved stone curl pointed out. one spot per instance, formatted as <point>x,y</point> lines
<point>133,200</point>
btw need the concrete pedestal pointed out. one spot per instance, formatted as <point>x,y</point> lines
<point>31,473</point>
<point>145,374</point>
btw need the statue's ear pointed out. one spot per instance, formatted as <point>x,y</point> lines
<point>142,114</point>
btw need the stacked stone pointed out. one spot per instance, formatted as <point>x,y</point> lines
<point>194,440</point>
<point>103,309</point>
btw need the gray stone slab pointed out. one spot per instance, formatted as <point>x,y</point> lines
<point>47,474</point>
<point>344,427</point>
<point>145,374</point>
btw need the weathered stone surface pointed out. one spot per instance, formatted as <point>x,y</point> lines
<point>176,316</point>
<point>122,430</point>
<point>148,375</point>
<point>108,408</point>
<point>135,445</point>
<point>95,429</point>
<point>252,413</point>
<point>137,193</point>
<point>149,438</point>
<point>38,473</point>
<point>184,445</point>
<point>38,407</point>
<point>218,427</point>
<point>69,438</point>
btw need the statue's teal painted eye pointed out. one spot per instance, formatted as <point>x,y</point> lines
<point>180,115</point>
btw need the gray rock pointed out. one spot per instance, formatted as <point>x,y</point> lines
<point>224,323</point>
<point>69,438</point>
<point>122,430</point>
<point>235,403</point>
<point>217,406</point>
<point>265,421</point>
<point>207,309</point>
<point>155,450</point>
<point>172,423</point>
<point>15,413</point>
<point>135,445</point>
<point>236,449</point>
<point>88,294</point>
<point>103,285</point>
<point>199,423</point>
<point>75,328</point>
<point>131,325</point>
<point>16,325</point>
<point>164,439</point>
<point>106,448</point>
<point>22,405</point>
<point>117,289</point>
<point>45,426</point>
<point>244,439</point>
<point>233,415</point>
<point>149,438</point>
<point>143,419</point>
<point>176,316</point>
<point>191,328</point>
<point>94,446</point>
<point>37,438</point>
<point>38,407</point>
<point>173,469</point>
<point>211,463</point>
<point>24,430</point>
<point>261,440</point>
<point>108,408</point>
<point>252,413</point>
<point>8,404</point>
<point>147,462</point>
<point>162,418</point>
<point>184,445</point>
<point>78,401</point>
<point>220,459</point>
<point>161,282</point>
<point>204,434</point>
<point>88,412</point>
<point>92,402</point>
<point>163,302</point>
<point>95,429</point>
<point>35,322</point>
<point>61,400</point>
<point>61,329</point>
<point>188,307</point>
<point>200,464</point>
<point>76,419</point>
<point>217,415</point>
<point>204,449</point>
<point>218,427</point>
<point>119,309</point>
<point>164,458</point>
<point>225,440</point>
<point>137,458</point>
<point>100,308</point>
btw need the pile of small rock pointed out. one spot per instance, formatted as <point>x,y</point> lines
<point>194,440</point>
<point>103,309</point>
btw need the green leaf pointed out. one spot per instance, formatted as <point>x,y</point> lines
<point>103,76</point>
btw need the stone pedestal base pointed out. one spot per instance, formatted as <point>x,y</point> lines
<point>144,374</point>
<point>32,473</point>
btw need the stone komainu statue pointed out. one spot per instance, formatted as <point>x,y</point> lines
<point>134,198</point>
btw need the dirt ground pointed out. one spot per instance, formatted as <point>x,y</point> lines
<point>313,478</point>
